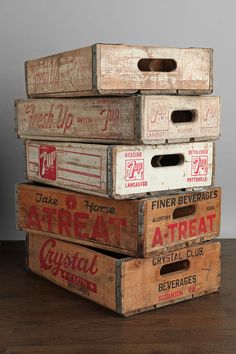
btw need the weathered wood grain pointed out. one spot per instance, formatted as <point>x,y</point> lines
<point>61,72</point>
<point>84,271</point>
<point>148,119</point>
<point>120,171</point>
<point>110,119</point>
<point>140,228</point>
<point>127,285</point>
<point>145,287</point>
<point>119,69</point>
<point>165,118</point>
<point>78,167</point>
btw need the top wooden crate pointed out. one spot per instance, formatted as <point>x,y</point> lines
<point>104,69</point>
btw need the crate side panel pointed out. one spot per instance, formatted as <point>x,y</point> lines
<point>64,72</point>
<point>144,286</point>
<point>162,119</point>
<point>120,71</point>
<point>82,119</point>
<point>71,166</point>
<point>80,218</point>
<point>137,170</point>
<point>175,220</point>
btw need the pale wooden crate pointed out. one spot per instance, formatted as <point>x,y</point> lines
<point>126,285</point>
<point>139,119</point>
<point>140,228</point>
<point>120,171</point>
<point>104,69</point>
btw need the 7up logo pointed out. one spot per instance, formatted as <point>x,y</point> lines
<point>134,170</point>
<point>199,165</point>
<point>47,162</point>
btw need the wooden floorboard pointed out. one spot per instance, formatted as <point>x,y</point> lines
<point>37,316</point>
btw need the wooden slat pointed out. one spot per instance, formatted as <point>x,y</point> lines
<point>148,119</point>
<point>119,171</point>
<point>119,69</point>
<point>141,228</point>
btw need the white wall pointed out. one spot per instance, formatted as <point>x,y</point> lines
<point>31,29</point>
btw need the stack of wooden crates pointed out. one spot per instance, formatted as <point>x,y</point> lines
<point>125,135</point>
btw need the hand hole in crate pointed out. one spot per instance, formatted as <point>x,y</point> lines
<point>167,160</point>
<point>183,116</point>
<point>184,211</point>
<point>159,65</point>
<point>174,267</point>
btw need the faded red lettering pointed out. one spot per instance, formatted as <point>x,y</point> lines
<point>74,261</point>
<point>100,229</point>
<point>118,224</point>
<point>49,216</point>
<point>192,227</point>
<point>65,118</point>
<point>79,224</point>
<point>43,256</point>
<point>82,265</point>
<point>210,218</point>
<point>92,268</point>
<point>202,229</point>
<point>182,230</point>
<point>172,228</point>
<point>157,238</point>
<point>33,219</point>
<point>109,115</point>
<point>51,258</point>
<point>64,222</point>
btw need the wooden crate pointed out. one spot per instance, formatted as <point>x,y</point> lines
<point>140,228</point>
<point>104,69</point>
<point>148,119</point>
<point>120,171</point>
<point>126,285</point>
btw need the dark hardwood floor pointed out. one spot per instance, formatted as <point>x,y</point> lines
<point>36,316</point>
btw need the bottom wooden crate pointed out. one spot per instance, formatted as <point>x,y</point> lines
<point>124,284</point>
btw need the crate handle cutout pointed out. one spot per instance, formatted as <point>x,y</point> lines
<point>174,267</point>
<point>167,160</point>
<point>159,65</point>
<point>184,211</point>
<point>183,116</point>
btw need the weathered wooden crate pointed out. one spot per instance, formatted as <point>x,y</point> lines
<point>120,171</point>
<point>140,228</point>
<point>147,119</point>
<point>118,69</point>
<point>126,285</point>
